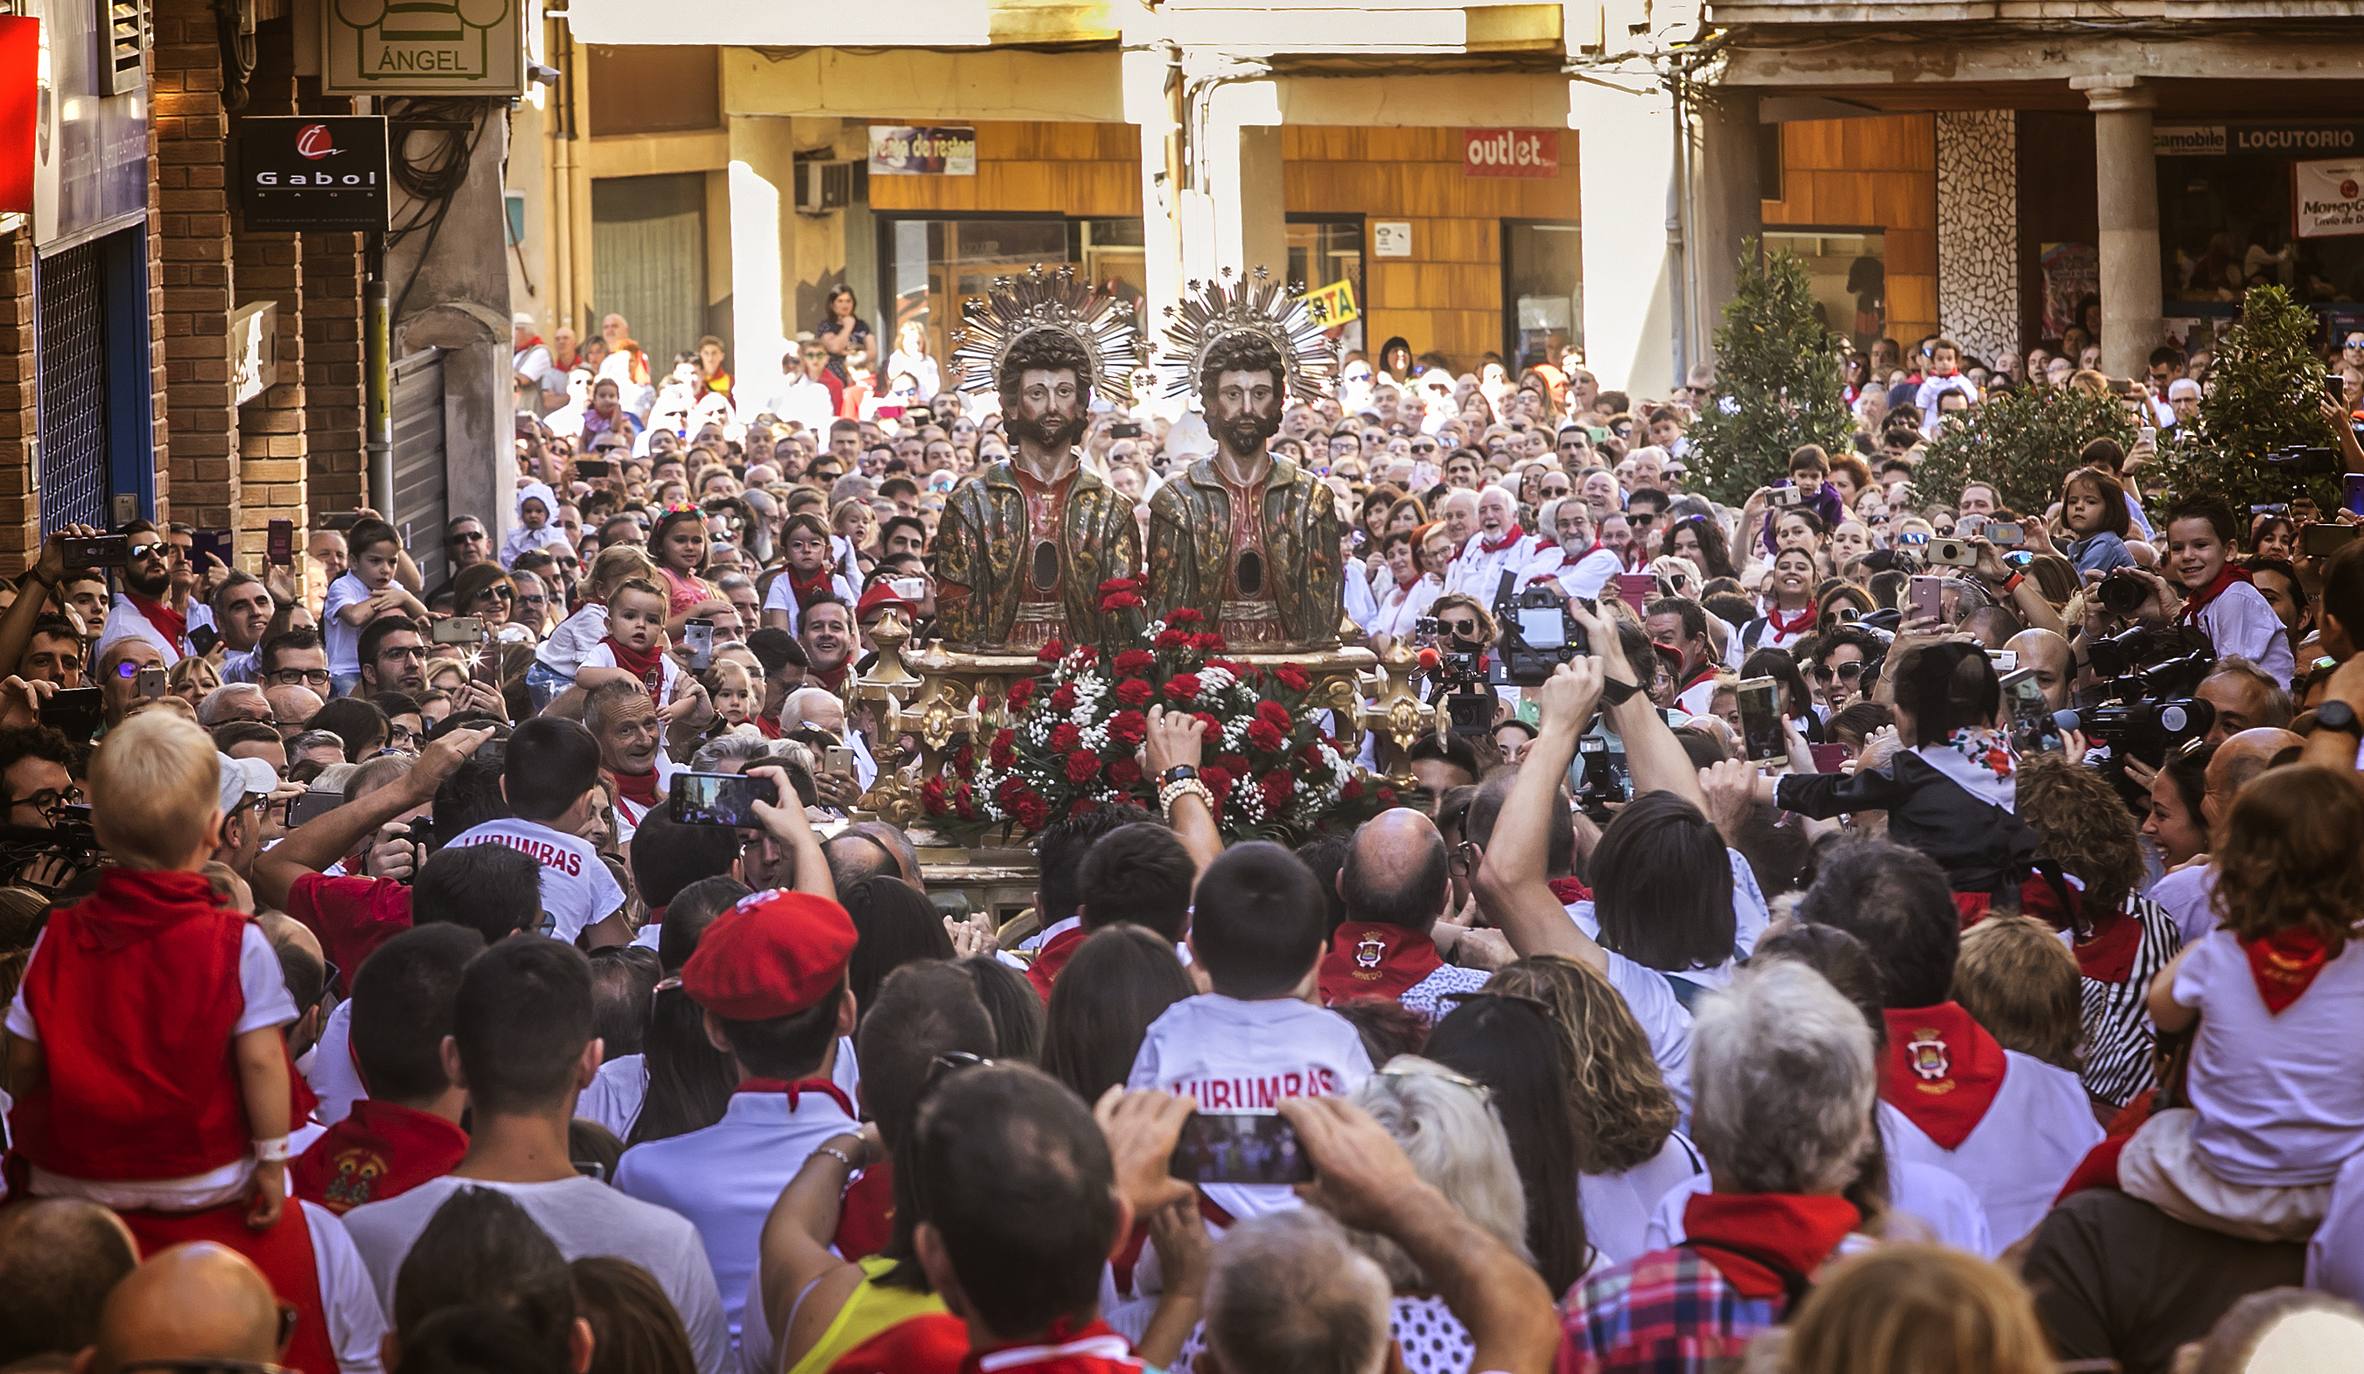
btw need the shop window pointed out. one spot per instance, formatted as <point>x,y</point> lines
<point>1542,290</point>
<point>1323,250</point>
<point>648,264</point>
<point>932,267</point>
<point>2225,224</point>
<point>1848,269</point>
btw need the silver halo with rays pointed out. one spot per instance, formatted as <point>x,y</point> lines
<point>1294,326</point>
<point>1018,306</point>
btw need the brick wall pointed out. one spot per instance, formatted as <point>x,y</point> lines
<point>268,266</point>
<point>19,397</point>
<point>194,263</point>
<point>333,379</point>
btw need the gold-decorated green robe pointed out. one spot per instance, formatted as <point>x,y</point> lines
<point>1263,567</point>
<point>1019,564</point>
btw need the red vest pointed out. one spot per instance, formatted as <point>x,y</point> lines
<point>283,1253</point>
<point>135,993</point>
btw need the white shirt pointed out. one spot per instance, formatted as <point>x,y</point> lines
<point>724,1179</point>
<point>1361,606</point>
<point>343,640</point>
<point>356,1323</point>
<point>805,401</point>
<point>2241,621</point>
<point>1236,1056</point>
<point>2335,1257</point>
<point>2034,1134</point>
<point>1400,608</point>
<point>1618,1207</point>
<point>124,621</point>
<point>615,1096</point>
<point>577,889</point>
<point>1942,1204</point>
<point>2188,896</point>
<point>782,597</point>
<point>562,653</point>
<point>334,1080</point>
<point>1581,576</point>
<point>583,1217</point>
<point>1478,573</point>
<point>603,655</point>
<point>1664,1021</point>
<point>2279,1098</point>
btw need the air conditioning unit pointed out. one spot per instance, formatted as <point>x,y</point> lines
<point>825,186</point>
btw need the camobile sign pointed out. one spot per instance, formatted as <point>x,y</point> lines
<point>312,171</point>
<point>2222,140</point>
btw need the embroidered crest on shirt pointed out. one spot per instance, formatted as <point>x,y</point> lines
<point>1931,1064</point>
<point>1368,952</point>
<point>356,1178</point>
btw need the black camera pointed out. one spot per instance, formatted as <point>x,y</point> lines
<point>1605,775</point>
<point>2304,460</point>
<point>2122,593</point>
<point>1538,634</point>
<point>2144,729</point>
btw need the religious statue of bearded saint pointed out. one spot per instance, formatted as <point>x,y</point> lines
<point>1024,545</point>
<point>1246,537</point>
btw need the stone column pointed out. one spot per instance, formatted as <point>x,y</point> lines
<point>1977,195</point>
<point>763,213</point>
<point>1625,173</point>
<point>1233,207</point>
<point>1728,205</point>
<point>2126,187</point>
<point>1153,105</point>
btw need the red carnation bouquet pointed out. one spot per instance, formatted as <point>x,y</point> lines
<point>1075,739</point>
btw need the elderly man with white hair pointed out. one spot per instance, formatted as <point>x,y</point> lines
<point>1783,1077</point>
<point>233,701</point>
<point>1497,546</point>
<point>819,707</point>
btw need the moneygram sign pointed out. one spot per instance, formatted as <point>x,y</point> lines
<point>1510,152</point>
<point>312,172</point>
<point>2329,198</point>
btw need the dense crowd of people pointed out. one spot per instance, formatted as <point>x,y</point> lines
<point>1911,934</point>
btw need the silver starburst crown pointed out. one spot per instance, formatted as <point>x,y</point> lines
<point>1213,310</point>
<point>1018,306</point>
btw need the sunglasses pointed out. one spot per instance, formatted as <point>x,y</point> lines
<point>153,549</point>
<point>1845,672</point>
<point>1459,627</point>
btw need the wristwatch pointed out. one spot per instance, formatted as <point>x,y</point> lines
<point>1177,773</point>
<point>2338,715</point>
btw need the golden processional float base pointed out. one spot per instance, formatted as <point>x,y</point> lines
<point>929,699</point>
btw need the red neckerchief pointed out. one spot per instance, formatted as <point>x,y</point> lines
<point>1737,1232</point>
<point>2198,601</point>
<point>131,904</point>
<point>637,787</point>
<point>1498,545</point>
<point>1373,959</point>
<point>379,1151</point>
<point>2284,964</point>
<point>534,342</point>
<point>866,1220</point>
<point>796,1090</point>
<point>1570,891</point>
<point>171,624</point>
<point>769,727</point>
<point>806,589</point>
<point>1791,625</point>
<point>1570,560</point>
<point>1052,957</point>
<point>1067,1347</point>
<point>1941,1069</point>
<point>831,678</point>
<point>1404,585</point>
<point>648,665</point>
<point>1706,672</point>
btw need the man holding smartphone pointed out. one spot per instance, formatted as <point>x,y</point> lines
<point>140,609</point>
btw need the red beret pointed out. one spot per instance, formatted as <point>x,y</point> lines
<point>774,954</point>
<point>882,597</point>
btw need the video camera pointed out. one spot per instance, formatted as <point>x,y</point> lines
<point>1538,634</point>
<point>2145,708</point>
<point>69,839</point>
<point>1457,670</point>
<point>2142,729</point>
<point>2303,460</point>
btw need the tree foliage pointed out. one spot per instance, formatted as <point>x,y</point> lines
<point>2021,442</point>
<point>1777,382</point>
<point>2265,393</point>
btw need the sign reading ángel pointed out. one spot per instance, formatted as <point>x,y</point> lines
<point>312,171</point>
<point>421,47</point>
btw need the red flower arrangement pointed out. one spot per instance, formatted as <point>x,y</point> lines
<point>1076,733</point>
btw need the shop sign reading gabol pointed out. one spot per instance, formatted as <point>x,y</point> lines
<point>312,172</point>
<point>1510,152</point>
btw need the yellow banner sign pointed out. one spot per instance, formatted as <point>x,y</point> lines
<point>1334,304</point>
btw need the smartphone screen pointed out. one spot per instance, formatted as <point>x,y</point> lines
<point>280,544</point>
<point>1240,1147</point>
<point>311,806</point>
<point>95,551</point>
<point>458,629</point>
<point>720,799</point>
<point>593,469</point>
<point>2322,541</point>
<point>697,642</point>
<point>74,711</point>
<point>2005,535</point>
<point>1760,720</point>
<point>2351,492</point>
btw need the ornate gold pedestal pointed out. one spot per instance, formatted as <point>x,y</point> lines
<point>937,699</point>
